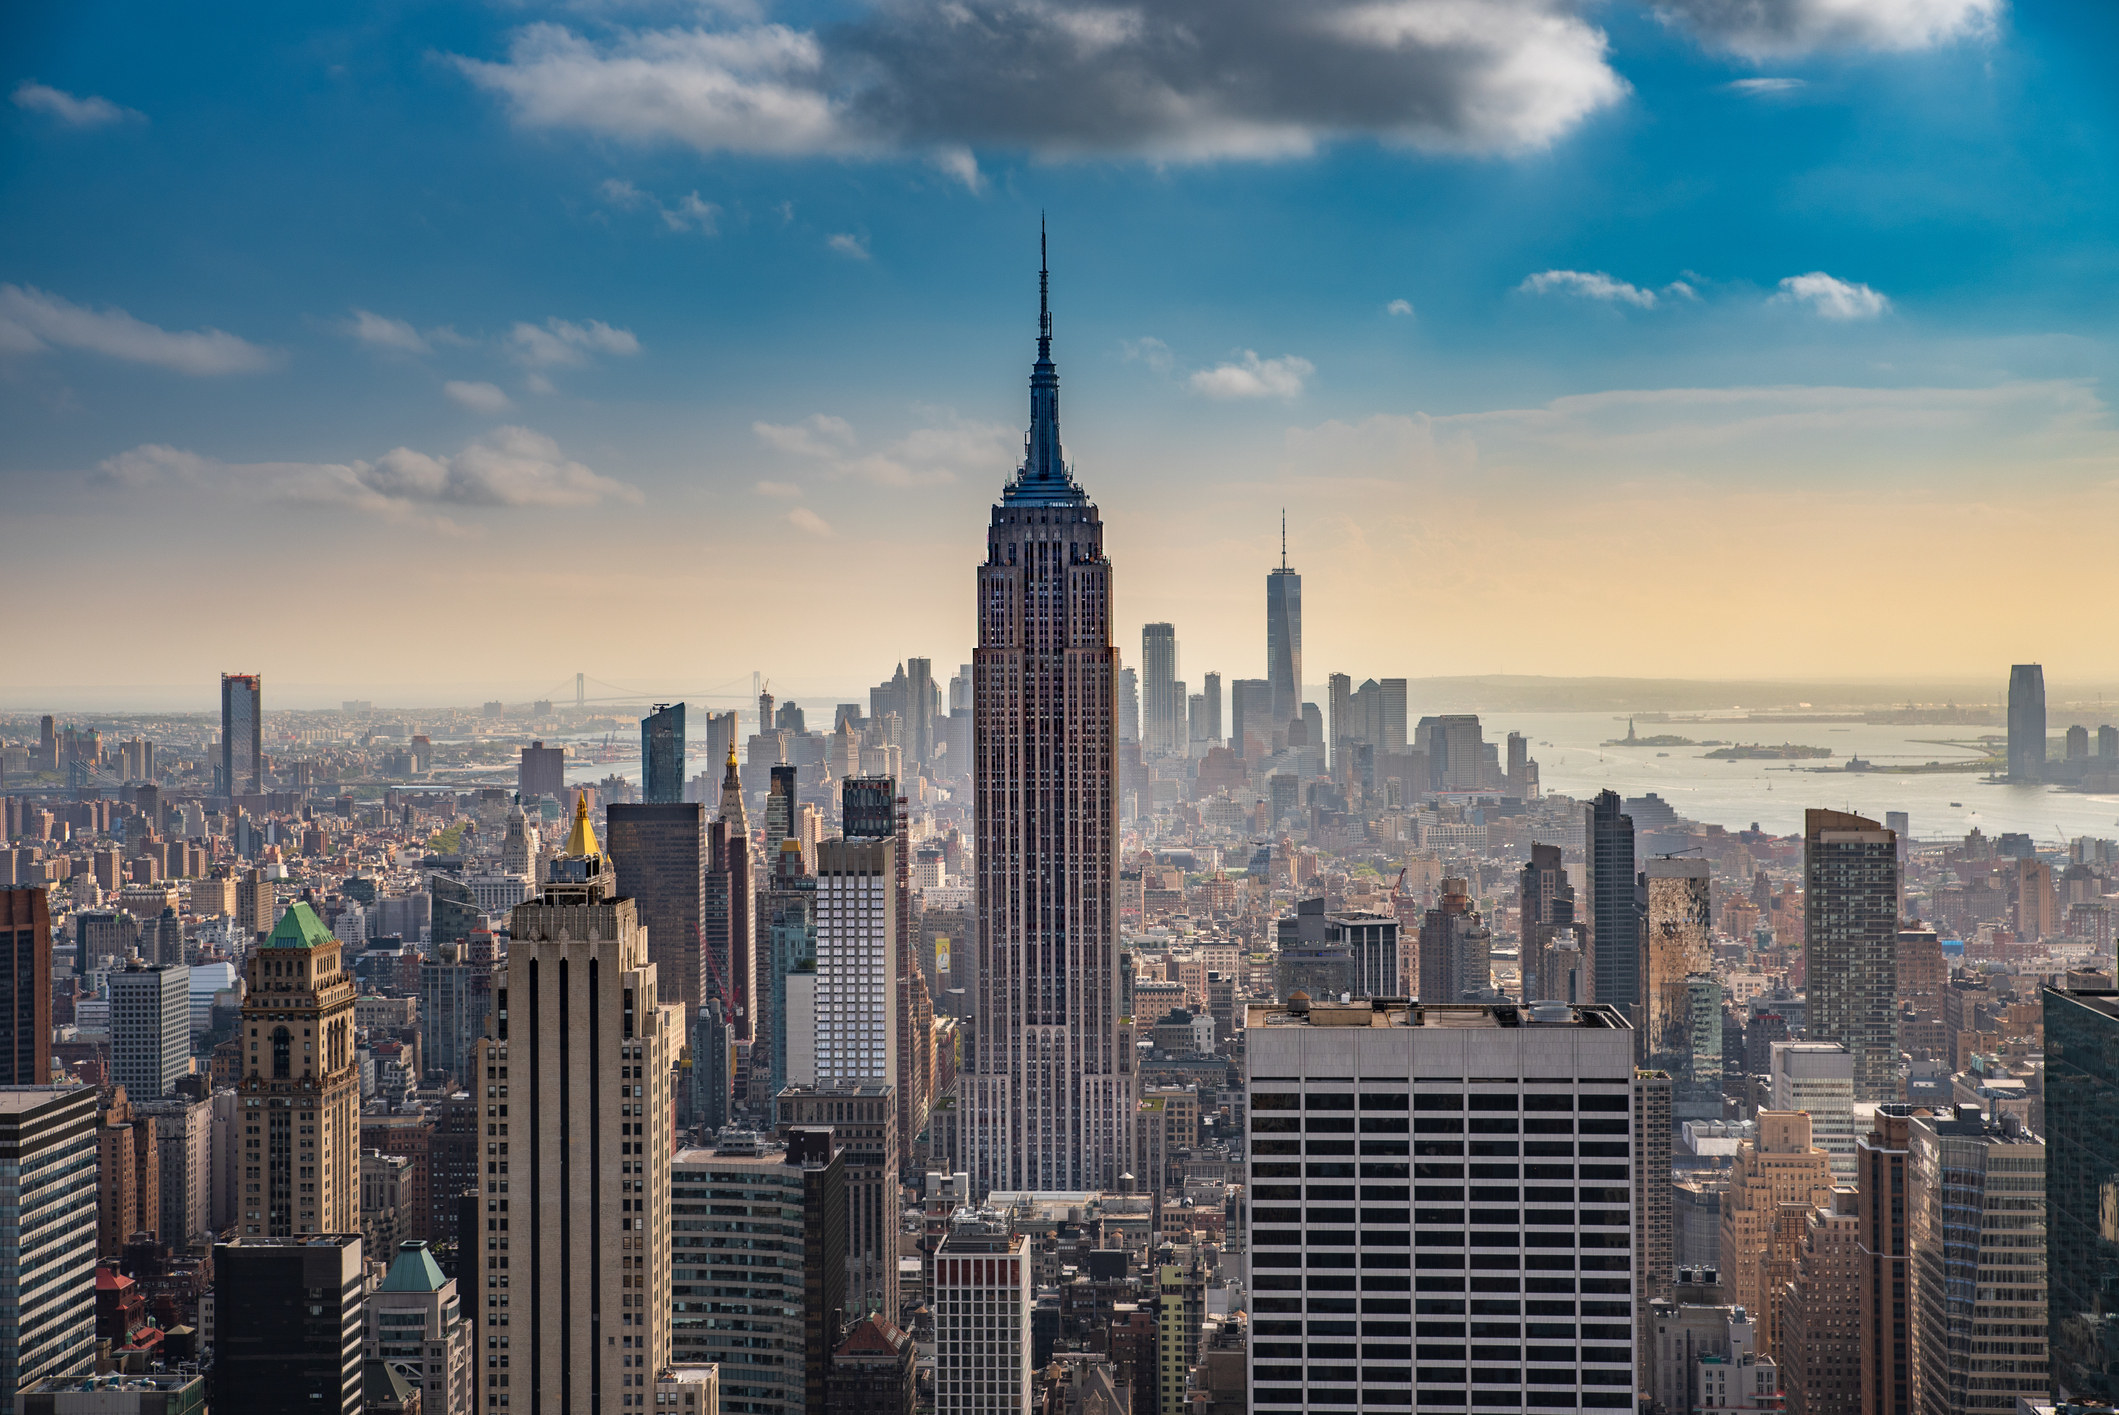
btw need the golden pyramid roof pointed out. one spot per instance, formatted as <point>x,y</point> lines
<point>581,841</point>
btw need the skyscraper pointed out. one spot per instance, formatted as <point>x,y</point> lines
<point>2027,722</point>
<point>787,944</point>
<point>242,734</point>
<point>1545,904</point>
<point>1251,725</point>
<point>1880,1183</point>
<point>1162,706</point>
<point>1049,1097</point>
<point>300,1092</point>
<point>25,987</point>
<point>871,808</point>
<point>662,754</point>
<point>2082,1175</point>
<point>857,950</point>
<point>983,1287</point>
<point>1850,936</point>
<point>150,1028</point>
<point>1676,946</point>
<point>1614,924</point>
<point>1210,730</point>
<point>288,1323</point>
<point>1533,1244</point>
<point>587,1148</point>
<point>660,852</point>
<point>1284,637</point>
<point>47,1234</point>
<point>728,903</point>
<point>1976,1267</point>
<point>541,772</point>
<point>919,710</point>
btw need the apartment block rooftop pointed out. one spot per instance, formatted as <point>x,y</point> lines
<point>1300,1011</point>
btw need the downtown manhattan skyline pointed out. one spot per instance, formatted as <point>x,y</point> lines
<point>1675,320</point>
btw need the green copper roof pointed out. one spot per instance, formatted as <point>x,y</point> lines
<point>299,927</point>
<point>414,1270</point>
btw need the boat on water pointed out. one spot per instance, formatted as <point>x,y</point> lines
<point>1956,805</point>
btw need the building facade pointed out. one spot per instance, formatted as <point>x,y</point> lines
<point>1850,935</point>
<point>662,754</point>
<point>1976,1270</point>
<point>2027,722</point>
<point>242,734</point>
<point>1615,921</point>
<point>25,987</point>
<point>982,1306</point>
<point>587,1148</point>
<point>288,1330</point>
<point>1525,1297</point>
<point>150,1028</point>
<point>47,1235</point>
<point>300,1092</point>
<point>2082,1175</point>
<point>1048,1099</point>
<point>660,851</point>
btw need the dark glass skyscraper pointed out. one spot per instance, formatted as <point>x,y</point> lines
<point>1850,944</point>
<point>2082,1176</point>
<point>660,851</point>
<point>242,734</point>
<point>1284,637</point>
<point>2027,722</point>
<point>662,754</point>
<point>1615,917</point>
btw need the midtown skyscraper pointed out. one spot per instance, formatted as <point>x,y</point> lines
<point>662,754</point>
<point>1162,710</point>
<point>1049,1097</point>
<point>1284,637</point>
<point>1850,944</point>
<point>1615,923</point>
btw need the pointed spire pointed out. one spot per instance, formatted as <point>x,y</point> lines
<point>1043,478</point>
<point>1283,537</point>
<point>581,841</point>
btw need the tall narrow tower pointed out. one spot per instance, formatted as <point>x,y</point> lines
<point>1284,637</point>
<point>1048,1102</point>
<point>300,1092</point>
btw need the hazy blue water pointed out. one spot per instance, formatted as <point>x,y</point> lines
<point>1736,793</point>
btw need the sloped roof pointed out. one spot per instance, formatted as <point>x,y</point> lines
<point>874,1337</point>
<point>413,1270</point>
<point>299,927</point>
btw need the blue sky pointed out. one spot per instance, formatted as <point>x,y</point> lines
<point>680,338</point>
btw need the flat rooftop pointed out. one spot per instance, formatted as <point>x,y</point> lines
<point>1410,1012</point>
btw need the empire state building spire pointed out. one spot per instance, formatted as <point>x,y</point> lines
<point>1043,479</point>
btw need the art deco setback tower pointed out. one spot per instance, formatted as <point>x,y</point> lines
<point>1049,1100</point>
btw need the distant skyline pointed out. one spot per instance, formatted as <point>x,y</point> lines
<point>423,346</point>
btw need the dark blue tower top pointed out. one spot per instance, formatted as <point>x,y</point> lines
<point>1043,479</point>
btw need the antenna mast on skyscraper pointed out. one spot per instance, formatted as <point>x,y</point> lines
<point>1283,537</point>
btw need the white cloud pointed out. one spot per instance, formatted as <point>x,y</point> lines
<point>1167,80</point>
<point>1590,285</point>
<point>478,397</point>
<point>958,161</point>
<point>1780,29</point>
<point>688,214</point>
<point>90,112</point>
<point>781,490</point>
<point>31,320</point>
<point>560,343</point>
<point>1399,307</point>
<point>802,518</point>
<point>510,467</point>
<point>849,245</point>
<point>384,332</point>
<point>1832,297</point>
<point>818,435</point>
<point>1253,377</point>
<point>1764,86</point>
<point>934,455</point>
<point>1148,350</point>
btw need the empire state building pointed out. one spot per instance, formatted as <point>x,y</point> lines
<point>1048,1101</point>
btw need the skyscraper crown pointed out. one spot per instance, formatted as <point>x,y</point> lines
<point>1043,479</point>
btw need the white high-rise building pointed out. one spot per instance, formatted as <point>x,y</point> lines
<point>150,1028</point>
<point>982,1302</point>
<point>856,993</point>
<point>1454,1183</point>
<point>1047,1099</point>
<point>1819,1077</point>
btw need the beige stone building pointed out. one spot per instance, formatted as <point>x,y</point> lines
<point>1779,1170</point>
<point>574,1247</point>
<point>299,1100</point>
